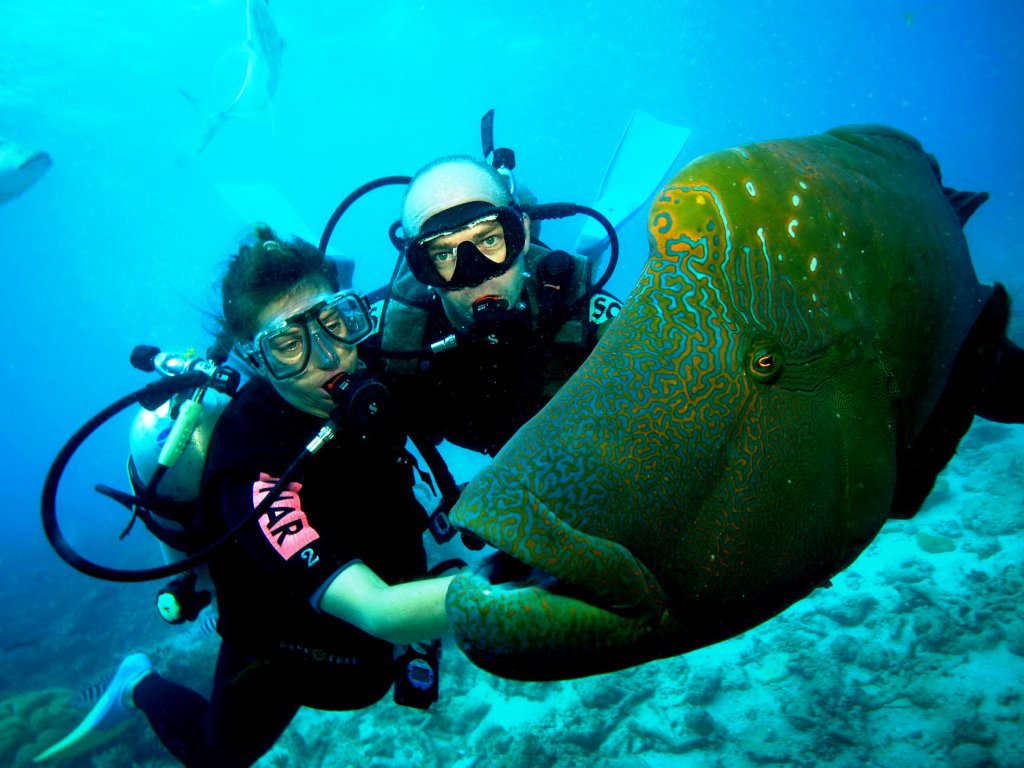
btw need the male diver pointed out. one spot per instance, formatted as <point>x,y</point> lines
<point>519,317</point>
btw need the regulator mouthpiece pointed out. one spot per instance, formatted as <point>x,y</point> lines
<point>363,402</point>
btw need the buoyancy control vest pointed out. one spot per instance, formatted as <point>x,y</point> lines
<point>566,319</point>
<point>477,392</point>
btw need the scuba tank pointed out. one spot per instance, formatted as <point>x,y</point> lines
<point>174,503</point>
<point>361,404</point>
<point>168,441</point>
<point>178,491</point>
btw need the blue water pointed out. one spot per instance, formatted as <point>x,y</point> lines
<point>122,241</point>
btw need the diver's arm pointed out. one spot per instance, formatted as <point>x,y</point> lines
<point>403,613</point>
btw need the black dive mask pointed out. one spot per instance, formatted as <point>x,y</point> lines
<point>490,251</point>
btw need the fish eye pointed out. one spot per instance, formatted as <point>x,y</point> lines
<point>765,363</point>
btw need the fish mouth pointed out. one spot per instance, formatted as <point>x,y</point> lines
<point>506,572</point>
<point>542,551</point>
<point>553,602</point>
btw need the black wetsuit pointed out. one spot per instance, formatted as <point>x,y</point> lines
<point>478,395</point>
<point>352,503</point>
<point>503,371</point>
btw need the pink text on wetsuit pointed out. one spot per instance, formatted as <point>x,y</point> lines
<point>285,524</point>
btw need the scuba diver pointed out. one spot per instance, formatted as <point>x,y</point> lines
<point>482,323</point>
<point>520,317</point>
<point>480,326</point>
<point>321,593</point>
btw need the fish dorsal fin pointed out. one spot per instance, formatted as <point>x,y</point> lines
<point>964,203</point>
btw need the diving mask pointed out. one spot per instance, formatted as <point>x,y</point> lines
<point>467,246</point>
<point>284,347</point>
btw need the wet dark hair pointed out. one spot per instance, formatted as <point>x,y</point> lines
<point>264,270</point>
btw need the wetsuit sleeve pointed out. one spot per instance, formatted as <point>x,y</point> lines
<point>285,541</point>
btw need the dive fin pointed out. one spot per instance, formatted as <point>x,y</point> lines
<point>107,719</point>
<point>645,154</point>
<point>80,741</point>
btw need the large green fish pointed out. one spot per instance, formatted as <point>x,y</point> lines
<point>806,346</point>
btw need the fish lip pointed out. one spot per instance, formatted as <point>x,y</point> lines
<point>632,591</point>
<point>594,569</point>
<point>506,572</point>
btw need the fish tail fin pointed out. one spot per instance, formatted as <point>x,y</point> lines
<point>210,124</point>
<point>210,129</point>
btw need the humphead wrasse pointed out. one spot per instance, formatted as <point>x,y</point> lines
<point>804,349</point>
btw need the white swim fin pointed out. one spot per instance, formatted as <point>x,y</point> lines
<point>644,156</point>
<point>107,719</point>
